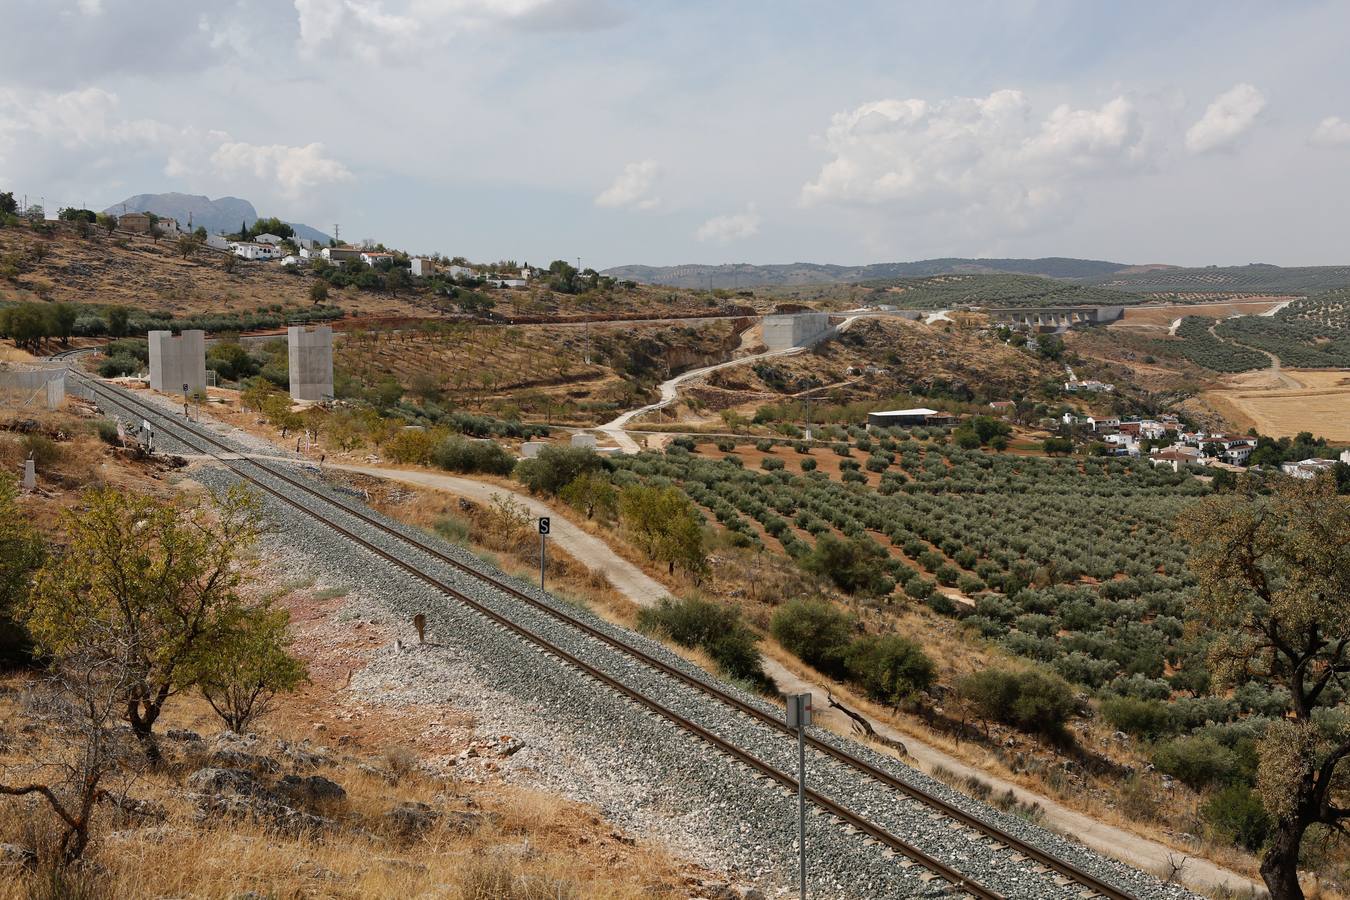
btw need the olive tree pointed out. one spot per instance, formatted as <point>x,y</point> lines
<point>1273,576</point>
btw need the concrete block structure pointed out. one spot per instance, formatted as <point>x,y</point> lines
<point>783,332</point>
<point>530,449</point>
<point>584,439</point>
<point>177,360</point>
<point>311,362</point>
<point>1056,317</point>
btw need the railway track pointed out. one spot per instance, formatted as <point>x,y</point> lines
<point>1059,872</point>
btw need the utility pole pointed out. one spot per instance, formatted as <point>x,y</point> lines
<point>798,717</point>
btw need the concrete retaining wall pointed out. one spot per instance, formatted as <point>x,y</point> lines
<point>795,330</point>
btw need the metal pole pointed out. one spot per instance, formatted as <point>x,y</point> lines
<point>801,803</point>
<point>543,539</point>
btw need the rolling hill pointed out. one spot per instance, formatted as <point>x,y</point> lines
<point>744,275</point>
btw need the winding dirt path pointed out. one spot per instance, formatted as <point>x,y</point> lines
<point>1275,372</point>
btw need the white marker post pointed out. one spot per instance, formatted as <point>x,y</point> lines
<point>543,541</point>
<point>798,717</point>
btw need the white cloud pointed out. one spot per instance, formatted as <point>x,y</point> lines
<point>1332,130</point>
<point>632,188</point>
<point>1225,120</point>
<point>90,7</point>
<point>70,138</point>
<point>396,30</point>
<point>295,170</point>
<point>987,159</point>
<point>730,227</point>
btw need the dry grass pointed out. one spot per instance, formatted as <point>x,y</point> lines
<point>517,842</point>
<point>1321,405</point>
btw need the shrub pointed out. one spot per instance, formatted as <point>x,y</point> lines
<point>764,445</point>
<point>713,628</point>
<point>889,668</point>
<point>1032,701</point>
<point>815,631</point>
<point>919,588</point>
<point>1235,815</point>
<point>116,366</point>
<point>726,446</point>
<point>1148,719</point>
<point>772,464</point>
<point>460,454</point>
<point>555,467</point>
<point>857,566</point>
<point>43,449</point>
<point>808,465</point>
<point>1197,761</point>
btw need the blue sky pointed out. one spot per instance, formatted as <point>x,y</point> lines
<point>662,133</point>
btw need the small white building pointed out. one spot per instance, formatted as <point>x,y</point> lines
<point>371,257</point>
<point>251,250</point>
<point>422,267</point>
<point>1345,457</point>
<point>1089,386</point>
<point>292,261</point>
<point>217,242</point>
<point>460,272</point>
<point>269,239</point>
<point>1307,468</point>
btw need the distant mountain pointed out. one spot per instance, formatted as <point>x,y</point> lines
<point>223,215</point>
<point>744,275</point>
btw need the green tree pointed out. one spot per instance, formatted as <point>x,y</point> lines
<point>149,584</point>
<point>63,321</point>
<point>107,222</point>
<point>593,494</point>
<point>318,292</point>
<point>8,205</point>
<point>665,526</point>
<point>252,666</point>
<point>187,245</point>
<point>1273,586</point>
<point>118,317</point>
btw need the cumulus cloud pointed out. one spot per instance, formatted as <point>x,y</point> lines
<point>60,138</point>
<point>294,170</point>
<point>1229,117</point>
<point>730,227</point>
<point>633,187</point>
<point>393,30</point>
<point>1332,130</point>
<point>987,158</point>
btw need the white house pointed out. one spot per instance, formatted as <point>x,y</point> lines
<point>250,250</point>
<point>460,272</point>
<point>217,242</point>
<point>1345,457</point>
<point>270,239</point>
<point>1307,468</point>
<point>500,282</point>
<point>371,257</point>
<point>292,261</point>
<point>340,254</point>
<point>422,267</point>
